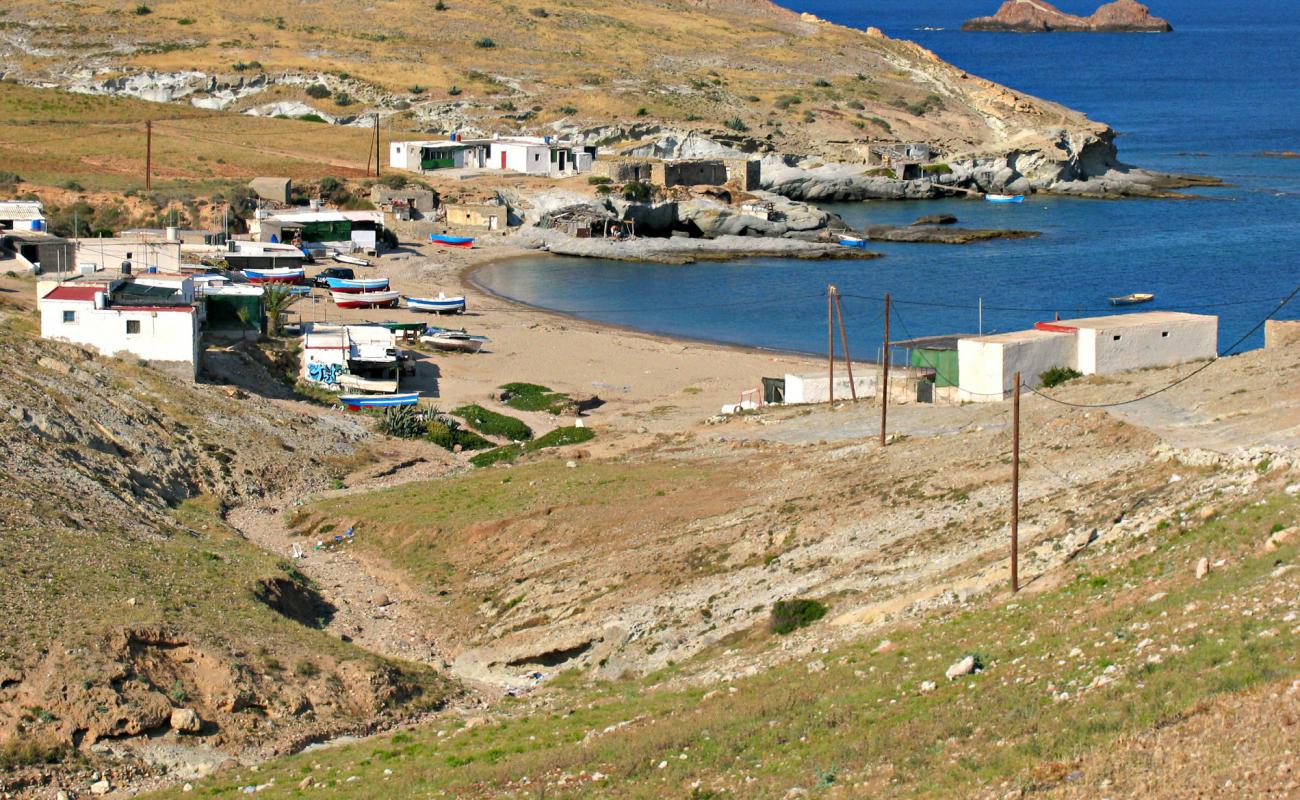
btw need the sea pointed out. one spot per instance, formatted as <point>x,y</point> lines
<point>1214,97</point>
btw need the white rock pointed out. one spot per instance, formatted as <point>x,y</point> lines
<point>101,786</point>
<point>816,665</point>
<point>189,787</point>
<point>1293,488</point>
<point>928,686</point>
<point>1202,568</point>
<point>1157,597</point>
<point>185,720</point>
<point>966,666</point>
<point>571,464</point>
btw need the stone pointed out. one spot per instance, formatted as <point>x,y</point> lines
<point>1292,488</point>
<point>571,464</point>
<point>965,666</point>
<point>306,783</point>
<point>101,786</point>
<point>1205,513</point>
<point>189,787</point>
<point>185,720</point>
<point>885,646</point>
<point>936,219</point>
<point>1281,538</point>
<point>1202,568</point>
<point>380,600</point>
<point>928,686</point>
<point>816,665</point>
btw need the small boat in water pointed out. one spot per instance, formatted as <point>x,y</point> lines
<point>354,261</point>
<point>453,341</point>
<point>277,275</point>
<point>1005,198</point>
<point>451,241</point>
<point>364,299</point>
<point>853,241</point>
<point>356,402</point>
<point>355,285</point>
<point>442,304</point>
<point>1132,299</point>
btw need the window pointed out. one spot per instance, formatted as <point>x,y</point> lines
<point>132,326</point>
<point>69,317</point>
<point>1164,334</point>
<point>128,256</point>
<point>1116,338</point>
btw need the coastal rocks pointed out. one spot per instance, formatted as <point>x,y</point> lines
<point>185,720</point>
<point>682,250</point>
<point>1035,16</point>
<point>936,219</point>
<point>843,182</point>
<point>936,235</point>
<point>293,109</point>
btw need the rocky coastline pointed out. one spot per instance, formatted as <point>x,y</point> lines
<point>1035,16</point>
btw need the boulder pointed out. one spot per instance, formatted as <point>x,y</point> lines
<point>1202,568</point>
<point>965,666</point>
<point>185,720</point>
<point>101,787</point>
<point>936,219</point>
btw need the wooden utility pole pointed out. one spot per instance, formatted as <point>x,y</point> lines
<point>1015,487</point>
<point>830,344</point>
<point>370,152</point>
<point>378,155</point>
<point>884,380</point>
<point>844,340</point>
<point>148,154</point>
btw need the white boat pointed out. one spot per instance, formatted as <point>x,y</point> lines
<point>1132,299</point>
<point>1005,198</point>
<point>453,341</point>
<point>350,260</point>
<point>278,275</point>
<point>364,299</point>
<point>442,304</point>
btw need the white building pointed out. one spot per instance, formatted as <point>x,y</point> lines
<point>1094,346</point>
<point>430,155</point>
<point>22,215</point>
<point>145,320</point>
<point>346,230</point>
<point>143,252</point>
<point>351,357</point>
<point>531,155</point>
<point>815,387</point>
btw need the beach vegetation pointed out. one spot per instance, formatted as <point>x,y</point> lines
<point>318,91</point>
<point>534,397</point>
<point>485,43</point>
<point>936,169</point>
<point>491,423</point>
<point>597,180</point>
<point>637,190</point>
<point>1058,375</point>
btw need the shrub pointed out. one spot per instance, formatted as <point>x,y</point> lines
<point>439,6</point>
<point>539,12</point>
<point>736,124</point>
<point>494,424</point>
<point>822,83</point>
<point>184,21</point>
<point>142,9</point>
<point>567,110</point>
<point>306,669</point>
<point>318,90</point>
<point>936,169</point>
<point>342,99</point>
<point>505,453</point>
<point>594,180</point>
<point>856,105</point>
<point>786,100</point>
<point>790,615</point>
<point>446,433</point>
<point>404,422</point>
<point>882,123</point>
<point>27,752</point>
<point>454,90</point>
<point>560,437</point>
<point>1059,375</point>
<point>881,172</point>
<point>636,190</point>
<point>642,111</point>
<point>532,397</point>
<point>416,89</point>
<point>311,118</point>
<point>486,43</point>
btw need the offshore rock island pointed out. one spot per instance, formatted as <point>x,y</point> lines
<point>1035,16</point>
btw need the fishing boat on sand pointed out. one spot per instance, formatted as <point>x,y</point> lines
<point>364,299</point>
<point>453,341</point>
<point>1005,198</point>
<point>1132,299</point>
<point>277,275</point>
<point>355,285</point>
<point>354,261</point>
<point>451,241</point>
<point>442,304</point>
<point>356,402</point>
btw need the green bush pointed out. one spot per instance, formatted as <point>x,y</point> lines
<point>454,90</point>
<point>855,105</point>
<point>446,433</point>
<point>636,190</point>
<point>822,83</point>
<point>539,12</point>
<point>318,91</point>
<point>642,111</point>
<point>532,397</point>
<point>567,110</point>
<point>416,89</point>
<point>506,453</point>
<point>404,422</point>
<point>342,99</point>
<point>936,169</point>
<point>142,9</point>
<point>25,752</point>
<point>494,424</point>
<point>790,615</point>
<point>1059,375</point>
<point>560,437</point>
<point>594,180</point>
<point>736,124</point>
<point>486,43</point>
<point>7,177</point>
<point>786,100</point>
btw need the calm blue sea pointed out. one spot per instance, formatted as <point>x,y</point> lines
<point>1208,98</point>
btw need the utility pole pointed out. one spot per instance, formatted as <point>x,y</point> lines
<point>884,381</point>
<point>148,154</point>
<point>844,340</point>
<point>1015,487</point>
<point>379,158</point>
<point>981,316</point>
<point>830,344</point>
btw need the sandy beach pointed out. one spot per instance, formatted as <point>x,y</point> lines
<point>650,384</point>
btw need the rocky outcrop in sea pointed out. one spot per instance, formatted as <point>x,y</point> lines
<point>1035,16</point>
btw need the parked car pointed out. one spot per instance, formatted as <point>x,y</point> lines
<point>345,273</point>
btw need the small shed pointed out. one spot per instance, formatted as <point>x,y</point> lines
<point>937,353</point>
<point>492,216</point>
<point>276,190</point>
<point>987,364</point>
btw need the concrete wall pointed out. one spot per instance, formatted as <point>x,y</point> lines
<point>493,218</point>
<point>527,158</point>
<point>988,364</point>
<point>108,254</point>
<point>815,388</point>
<point>1281,333</point>
<point>165,336</point>
<point>745,173</point>
<point>1106,349</point>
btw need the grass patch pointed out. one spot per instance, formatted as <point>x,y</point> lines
<point>493,424</point>
<point>534,397</point>
<point>1058,375</point>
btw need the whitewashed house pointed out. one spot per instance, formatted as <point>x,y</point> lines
<point>155,321</point>
<point>326,228</point>
<point>22,215</point>
<point>143,252</point>
<point>362,358</point>
<point>1093,345</point>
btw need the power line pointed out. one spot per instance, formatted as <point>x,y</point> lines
<point>1095,309</point>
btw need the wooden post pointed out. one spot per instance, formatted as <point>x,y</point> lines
<point>148,154</point>
<point>830,345</point>
<point>884,380</point>
<point>844,340</point>
<point>379,156</point>
<point>1015,487</point>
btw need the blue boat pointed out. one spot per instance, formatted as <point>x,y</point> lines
<point>356,402</point>
<point>451,241</point>
<point>357,284</point>
<point>437,305</point>
<point>1005,198</point>
<point>853,241</point>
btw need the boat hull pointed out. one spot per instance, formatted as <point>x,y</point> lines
<point>439,305</point>
<point>364,299</point>
<point>1132,299</point>
<point>467,344</point>
<point>852,241</point>
<point>357,402</point>
<point>279,275</point>
<point>354,286</point>
<point>1004,198</point>
<point>351,261</point>
<point>451,241</point>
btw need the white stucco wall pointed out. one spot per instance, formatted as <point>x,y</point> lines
<point>404,155</point>
<point>171,336</point>
<point>814,388</point>
<point>1161,342</point>
<point>987,365</point>
<point>108,254</point>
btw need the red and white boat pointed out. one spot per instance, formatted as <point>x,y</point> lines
<point>365,299</point>
<point>277,275</point>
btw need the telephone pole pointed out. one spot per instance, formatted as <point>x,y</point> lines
<point>148,154</point>
<point>830,344</point>
<point>884,381</point>
<point>378,155</point>
<point>844,340</point>
<point>1015,487</point>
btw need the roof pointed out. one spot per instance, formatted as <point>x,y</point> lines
<point>21,209</point>
<point>1136,319</point>
<point>1014,337</point>
<point>944,342</point>
<point>84,294</point>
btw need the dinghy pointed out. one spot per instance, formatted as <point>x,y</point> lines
<point>350,260</point>
<point>1132,299</point>
<point>453,341</point>
<point>355,285</point>
<point>442,304</point>
<point>1005,198</point>
<point>278,275</point>
<point>853,241</point>
<point>364,299</point>
<point>451,241</point>
<point>356,402</point>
